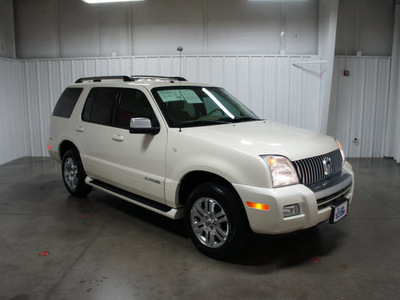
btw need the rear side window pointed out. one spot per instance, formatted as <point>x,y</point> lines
<point>66,103</point>
<point>99,105</point>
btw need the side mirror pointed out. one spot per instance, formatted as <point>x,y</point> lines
<point>143,125</point>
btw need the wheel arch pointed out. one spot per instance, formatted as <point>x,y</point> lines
<point>195,178</point>
<point>227,220</point>
<point>75,172</point>
<point>65,146</point>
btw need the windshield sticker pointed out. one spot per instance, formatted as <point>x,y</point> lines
<point>191,97</point>
<point>179,95</point>
<point>170,95</point>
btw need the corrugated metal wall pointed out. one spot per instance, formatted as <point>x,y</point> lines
<point>359,104</point>
<point>13,125</point>
<point>280,88</point>
<point>271,86</point>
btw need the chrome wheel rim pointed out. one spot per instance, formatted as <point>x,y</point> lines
<point>209,222</point>
<point>71,173</point>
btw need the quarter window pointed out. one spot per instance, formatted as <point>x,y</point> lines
<point>66,103</point>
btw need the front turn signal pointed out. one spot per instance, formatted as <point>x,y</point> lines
<point>259,206</point>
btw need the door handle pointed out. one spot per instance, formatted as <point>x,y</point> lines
<point>80,129</point>
<point>117,138</point>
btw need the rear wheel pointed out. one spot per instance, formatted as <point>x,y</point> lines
<point>74,174</point>
<point>216,221</point>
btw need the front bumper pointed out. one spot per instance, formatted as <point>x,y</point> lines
<point>315,206</point>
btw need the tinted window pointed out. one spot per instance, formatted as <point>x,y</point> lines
<point>133,104</point>
<point>99,105</point>
<point>65,105</point>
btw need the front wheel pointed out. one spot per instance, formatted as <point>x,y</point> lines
<point>74,174</point>
<point>216,221</point>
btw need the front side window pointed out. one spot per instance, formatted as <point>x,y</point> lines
<point>133,104</point>
<point>99,105</point>
<point>66,103</point>
<point>199,106</point>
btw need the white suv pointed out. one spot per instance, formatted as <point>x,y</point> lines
<point>193,151</point>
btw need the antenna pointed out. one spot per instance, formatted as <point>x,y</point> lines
<point>180,49</point>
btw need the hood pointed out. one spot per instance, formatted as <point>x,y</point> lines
<point>265,137</point>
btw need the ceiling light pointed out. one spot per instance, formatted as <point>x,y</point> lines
<point>108,1</point>
<point>277,0</point>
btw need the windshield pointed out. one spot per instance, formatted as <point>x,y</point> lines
<point>199,106</point>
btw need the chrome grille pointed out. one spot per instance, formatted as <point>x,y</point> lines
<point>313,170</point>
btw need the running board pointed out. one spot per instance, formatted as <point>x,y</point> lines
<point>154,206</point>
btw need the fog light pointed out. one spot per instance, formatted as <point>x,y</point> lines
<point>291,210</point>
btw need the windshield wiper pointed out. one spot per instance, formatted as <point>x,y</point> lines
<point>214,122</point>
<point>244,119</point>
<point>239,119</point>
<point>200,123</point>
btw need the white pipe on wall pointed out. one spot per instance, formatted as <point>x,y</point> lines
<point>328,15</point>
<point>392,146</point>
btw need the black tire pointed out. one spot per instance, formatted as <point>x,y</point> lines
<point>74,174</point>
<point>216,221</point>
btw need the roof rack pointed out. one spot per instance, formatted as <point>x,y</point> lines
<point>100,78</point>
<point>136,77</point>
<point>127,78</point>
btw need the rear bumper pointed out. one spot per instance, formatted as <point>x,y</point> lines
<point>52,147</point>
<point>315,206</point>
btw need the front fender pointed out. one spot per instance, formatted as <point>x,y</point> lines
<point>187,153</point>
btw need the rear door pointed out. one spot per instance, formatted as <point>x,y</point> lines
<point>94,130</point>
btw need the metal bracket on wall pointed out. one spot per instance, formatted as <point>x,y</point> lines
<point>299,63</point>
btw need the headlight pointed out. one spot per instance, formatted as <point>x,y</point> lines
<point>282,170</point>
<point>341,151</point>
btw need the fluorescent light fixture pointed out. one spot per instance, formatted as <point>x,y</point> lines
<point>108,1</point>
<point>277,0</point>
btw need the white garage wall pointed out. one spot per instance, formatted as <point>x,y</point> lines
<point>72,28</point>
<point>359,104</point>
<point>13,125</point>
<point>271,86</point>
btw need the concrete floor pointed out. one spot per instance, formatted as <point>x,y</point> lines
<point>104,248</point>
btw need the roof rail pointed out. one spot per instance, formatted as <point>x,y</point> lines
<point>127,78</point>
<point>100,78</point>
<point>136,77</point>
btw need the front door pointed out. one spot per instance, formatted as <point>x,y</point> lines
<point>138,160</point>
